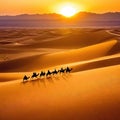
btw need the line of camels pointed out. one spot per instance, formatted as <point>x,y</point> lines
<point>47,74</point>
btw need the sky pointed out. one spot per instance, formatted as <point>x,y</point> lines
<point>13,7</point>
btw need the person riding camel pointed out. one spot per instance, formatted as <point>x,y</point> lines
<point>25,78</point>
<point>34,73</point>
<point>49,72</point>
<point>68,69</point>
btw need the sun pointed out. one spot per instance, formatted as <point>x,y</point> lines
<point>68,11</point>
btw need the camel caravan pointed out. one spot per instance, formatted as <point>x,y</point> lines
<point>47,74</point>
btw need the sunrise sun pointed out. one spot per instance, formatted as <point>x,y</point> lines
<point>68,10</point>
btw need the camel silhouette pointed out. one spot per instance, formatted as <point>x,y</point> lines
<point>68,70</point>
<point>42,74</point>
<point>48,73</point>
<point>25,78</point>
<point>55,72</point>
<point>62,70</point>
<point>35,75</point>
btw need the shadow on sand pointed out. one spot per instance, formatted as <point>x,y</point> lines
<point>49,79</point>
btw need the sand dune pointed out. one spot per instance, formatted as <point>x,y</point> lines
<point>77,67</point>
<point>76,39</point>
<point>43,61</point>
<point>54,38</point>
<point>74,96</point>
<point>4,77</point>
<point>90,92</point>
<point>93,64</point>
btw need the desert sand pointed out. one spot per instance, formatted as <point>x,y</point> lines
<point>89,92</point>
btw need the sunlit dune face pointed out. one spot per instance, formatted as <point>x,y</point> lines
<point>68,11</point>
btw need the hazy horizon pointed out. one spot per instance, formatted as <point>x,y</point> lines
<point>57,13</point>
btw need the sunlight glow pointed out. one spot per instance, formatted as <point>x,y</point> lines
<point>68,10</point>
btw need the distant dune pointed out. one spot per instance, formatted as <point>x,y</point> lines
<point>69,56</point>
<point>82,19</point>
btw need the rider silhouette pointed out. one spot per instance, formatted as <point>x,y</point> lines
<point>61,68</point>
<point>49,72</point>
<point>25,77</point>
<point>34,73</point>
<point>42,72</point>
<point>68,69</point>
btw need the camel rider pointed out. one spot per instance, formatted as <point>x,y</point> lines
<point>49,72</point>
<point>34,73</point>
<point>25,77</point>
<point>68,69</point>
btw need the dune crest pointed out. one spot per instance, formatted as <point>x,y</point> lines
<point>75,96</point>
<point>90,92</point>
<point>49,60</point>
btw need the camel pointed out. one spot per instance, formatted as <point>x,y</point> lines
<point>55,72</point>
<point>48,73</point>
<point>62,70</point>
<point>68,70</point>
<point>42,74</point>
<point>25,78</point>
<point>35,75</point>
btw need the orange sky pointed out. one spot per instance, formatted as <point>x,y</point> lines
<point>13,7</point>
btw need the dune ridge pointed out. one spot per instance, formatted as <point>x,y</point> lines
<point>99,94</point>
<point>89,92</point>
<point>77,67</point>
<point>49,60</point>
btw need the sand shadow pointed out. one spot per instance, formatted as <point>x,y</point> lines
<point>56,77</point>
<point>50,79</point>
<point>66,76</point>
<point>35,82</point>
<point>42,80</point>
<point>25,82</point>
<point>97,64</point>
<point>31,81</point>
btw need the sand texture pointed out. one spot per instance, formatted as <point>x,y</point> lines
<point>90,92</point>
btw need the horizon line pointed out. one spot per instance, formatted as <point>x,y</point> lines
<point>57,13</point>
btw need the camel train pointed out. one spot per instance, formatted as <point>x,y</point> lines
<point>48,74</point>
